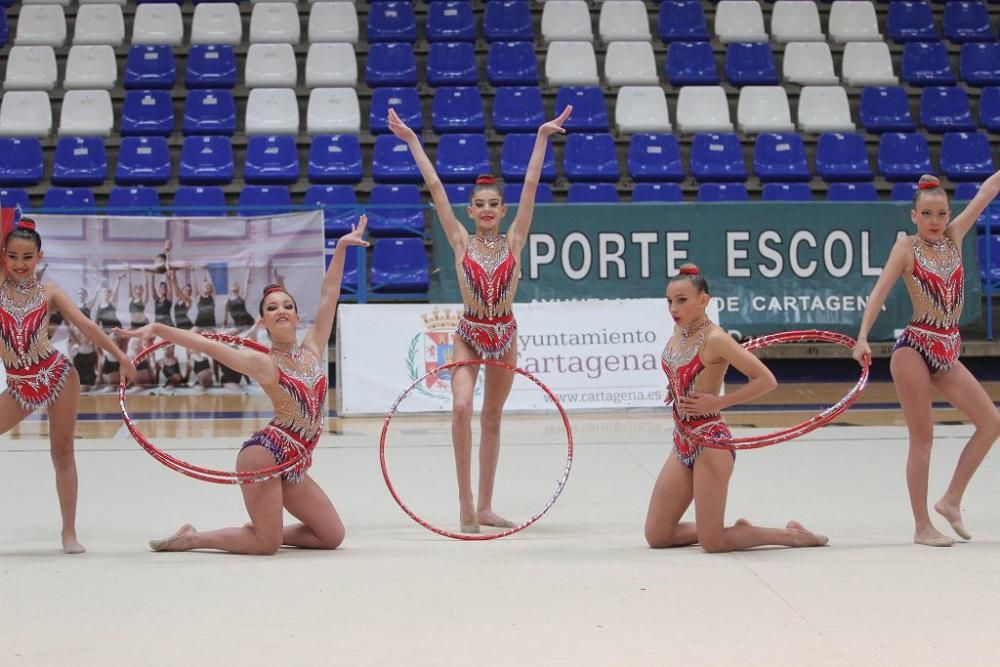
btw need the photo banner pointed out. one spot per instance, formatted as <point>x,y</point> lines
<point>591,354</point>
<point>770,267</point>
<point>201,273</point>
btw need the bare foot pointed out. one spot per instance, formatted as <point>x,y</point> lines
<point>471,527</point>
<point>71,545</point>
<point>491,518</point>
<point>953,513</point>
<point>169,543</point>
<point>932,538</point>
<point>804,537</point>
<point>742,522</point>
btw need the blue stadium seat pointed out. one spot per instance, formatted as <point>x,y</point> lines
<point>264,200</point>
<point>590,157</point>
<point>458,193</point>
<point>786,192</point>
<point>80,161</point>
<point>199,202</point>
<point>989,108</point>
<point>965,156</point>
<point>340,207</point>
<point>14,197</point>
<point>391,22</point>
<point>391,64</point>
<point>851,192</point>
<point>965,192</point>
<point>462,157</point>
<point>458,109</point>
<point>392,161</point>
<point>271,160</point>
<point>70,201</point>
<point>722,192</point>
<point>655,157</point>
<point>927,64</point>
<point>406,102</point>
<point>400,265</point>
<point>516,152</point>
<point>517,109</point>
<point>750,64</point>
<point>210,66</point>
<point>508,20</point>
<point>147,112</point>
<point>681,22</point>
<point>21,161</point>
<point>450,22</point>
<point>691,64</point>
<point>842,157</point>
<point>903,156</point>
<point>979,64</point>
<point>885,109</point>
<point>967,22</point>
<point>717,158</point>
<point>349,283</point>
<point>143,161</point>
<point>138,200</point>
<point>989,254</point>
<point>657,192</point>
<point>780,157</point>
<point>452,64</point>
<point>512,194</point>
<point>945,109</point>
<point>335,158</point>
<point>4,26</point>
<point>206,160</point>
<point>589,110</point>
<point>150,66</point>
<point>903,191</point>
<point>592,193</point>
<point>512,64</point>
<point>910,22</point>
<point>404,214</point>
<point>209,111</point>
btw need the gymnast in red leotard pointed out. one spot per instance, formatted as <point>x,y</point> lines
<point>487,263</point>
<point>926,354</point>
<point>695,360</point>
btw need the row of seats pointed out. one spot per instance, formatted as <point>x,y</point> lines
<point>208,160</point>
<point>268,111</point>
<point>213,23</point>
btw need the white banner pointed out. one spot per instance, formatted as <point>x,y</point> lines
<point>591,354</point>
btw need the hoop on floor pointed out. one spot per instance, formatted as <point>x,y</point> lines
<point>560,484</point>
<point>784,435</point>
<point>189,469</point>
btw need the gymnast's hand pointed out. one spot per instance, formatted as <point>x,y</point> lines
<point>127,370</point>
<point>699,403</point>
<point>357,235</point>
<point>862,353</point>
<point>399,128</point>
<point>555,126</point>
<point>141,332</point>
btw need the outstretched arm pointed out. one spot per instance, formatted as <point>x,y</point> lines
<point>319,333</point>
<point>893,269</point>
<point>249,362</point>
<point>518,233</point>
<point>88,328</point>
<point>453,229</point>
<point>963,222</point>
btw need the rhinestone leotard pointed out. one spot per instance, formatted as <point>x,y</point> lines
<point>488,279</point>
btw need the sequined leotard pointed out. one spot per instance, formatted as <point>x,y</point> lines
<point>299,398</point>
<point>488,279</point>
<point>937,291</point>
<point>35,372</point>
<point>682,365</point>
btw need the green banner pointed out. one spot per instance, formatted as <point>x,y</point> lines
<point>771,267</point>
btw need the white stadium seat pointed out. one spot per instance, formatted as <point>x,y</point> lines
<point>703,109</point>
<point>796,21</point>
<point>217,23</point>
<point>91,67</point>
<point>158,24</point>
<point>764,109</point>
<point>566,21</point>
<point>86,113</point>
<point>333,22</point>
<point>31,68</point>
<point>99,24</point>
<point>739,21</point>
<point>853,21</point>
<point>331,64</point>
<point>824,109</point>
<point>333,111</point>
<point>630,64</point>
<point>25,113</point>
<point>867,64</point>
<point>624,21</point>
<point>41,25</point>
<point>571,64</point>
<point>275,22</point>
<point>271,66</point>
<point>809,63</point>
<point>272,110</point>
<point>642,109</point>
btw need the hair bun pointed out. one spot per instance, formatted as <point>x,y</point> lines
<point>690,270</point>
<point>273,287</point>
<point>26,223</point>
<point>928,182</point>
<point>486,180</point>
